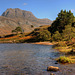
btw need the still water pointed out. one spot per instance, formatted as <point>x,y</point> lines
<point>30,59</point>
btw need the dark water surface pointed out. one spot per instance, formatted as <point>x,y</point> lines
<point>30,59</point>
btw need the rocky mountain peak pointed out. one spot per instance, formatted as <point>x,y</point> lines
<point>13,18</point>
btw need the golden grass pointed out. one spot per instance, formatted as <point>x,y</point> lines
<point>72,58</point>
<point>16,38</point>
<point>27,37</point>
<point>62,47</point>
<point>63,60</point>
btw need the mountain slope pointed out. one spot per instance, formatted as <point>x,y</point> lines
<point>13,18</point>
<point>18,13</point>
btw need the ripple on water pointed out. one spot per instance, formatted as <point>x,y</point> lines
<point>30,59</point>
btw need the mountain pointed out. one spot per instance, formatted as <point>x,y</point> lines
<point>13,18</point>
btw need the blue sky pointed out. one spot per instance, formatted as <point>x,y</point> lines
<point>40,8</point>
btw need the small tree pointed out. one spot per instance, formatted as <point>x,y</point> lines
<point>64,18</point>
<point>17,30</point>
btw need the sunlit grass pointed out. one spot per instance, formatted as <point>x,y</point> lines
<point>64,48</point>
<point>63,59</point>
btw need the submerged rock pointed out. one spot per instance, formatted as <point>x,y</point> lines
<point>56,62</point>
<point>52,68</point>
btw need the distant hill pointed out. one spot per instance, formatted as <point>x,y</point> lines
<point>13,18</point>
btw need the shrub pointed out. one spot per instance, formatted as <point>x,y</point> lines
<point>63,59</point>
<point>56,36</point>
<point>68,33</point>
<point>44,35</point>
<point>32,26</point>
<point>62,44</point>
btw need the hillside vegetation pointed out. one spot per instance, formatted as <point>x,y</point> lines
<point>63,31</point>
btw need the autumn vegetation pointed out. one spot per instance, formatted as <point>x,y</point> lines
<point>61,32</point>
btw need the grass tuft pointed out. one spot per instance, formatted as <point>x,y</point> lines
<point>63,59</point>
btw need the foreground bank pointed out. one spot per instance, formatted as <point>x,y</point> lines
<point>68,49</point>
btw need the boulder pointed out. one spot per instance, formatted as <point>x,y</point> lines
<point>52,68</point>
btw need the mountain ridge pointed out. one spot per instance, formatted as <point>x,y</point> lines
<point>23,14</point>
<point>13,18</point>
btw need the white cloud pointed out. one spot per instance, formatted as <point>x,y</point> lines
<point>72,10</point>
<point>25,4</point>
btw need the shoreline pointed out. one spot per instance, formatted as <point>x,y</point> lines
<point>43,43</point>
<point>40,43</point>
